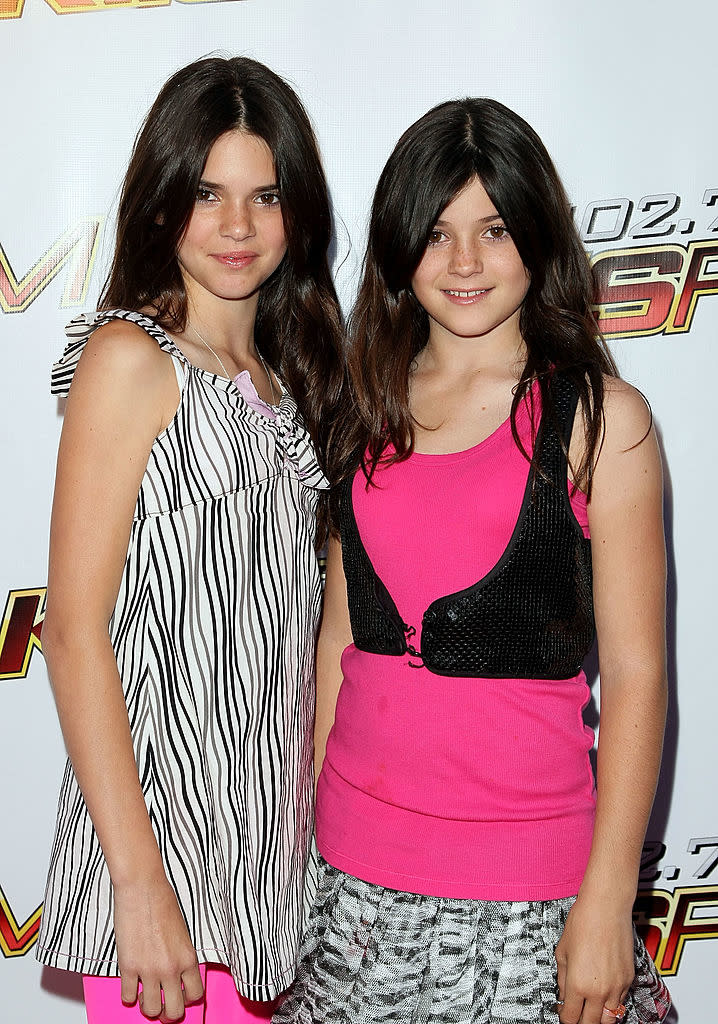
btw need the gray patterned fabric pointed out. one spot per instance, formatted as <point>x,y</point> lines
<point>375,955</point>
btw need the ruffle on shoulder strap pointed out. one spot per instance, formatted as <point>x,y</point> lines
<point>79,331</point>
<point>294,441</point>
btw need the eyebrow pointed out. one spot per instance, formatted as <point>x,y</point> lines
<point>216,186</point>
<point>480,220</point>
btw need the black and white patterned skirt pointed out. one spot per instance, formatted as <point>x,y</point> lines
<point>376,956</point>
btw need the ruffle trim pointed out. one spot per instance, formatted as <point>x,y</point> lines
<point>293,440</point>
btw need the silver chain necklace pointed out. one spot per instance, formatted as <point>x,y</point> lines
<point>224,368</point>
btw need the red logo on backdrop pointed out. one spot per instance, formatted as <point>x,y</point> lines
<point>653,287</point>
<point>74,251</point>
<point>17,939</point>
<point>19,637</point>
<point>667,920</point>
<point>14,8</point>
<point>20,631</point>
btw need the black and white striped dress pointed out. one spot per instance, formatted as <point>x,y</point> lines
<point>214,632</point>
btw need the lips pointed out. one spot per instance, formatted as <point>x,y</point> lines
<point>236,260</point>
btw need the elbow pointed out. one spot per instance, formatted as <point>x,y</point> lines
<point>635,684</point>
<point>66,639</point>
<point>56,640</point>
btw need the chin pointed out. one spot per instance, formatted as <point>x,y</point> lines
<point>235,291</point>
<point>468,331</point>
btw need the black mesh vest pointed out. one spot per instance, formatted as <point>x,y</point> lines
<point>530,617</point>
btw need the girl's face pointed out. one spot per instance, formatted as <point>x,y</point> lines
<point>235,237</point>
<point>471,280</point>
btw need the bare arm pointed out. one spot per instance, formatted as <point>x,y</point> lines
<point>335,634</point>
<point>595,954</point>
<point>123,394</point>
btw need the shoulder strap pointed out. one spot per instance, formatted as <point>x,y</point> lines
<point>83,327</point>
<point>556,428</point>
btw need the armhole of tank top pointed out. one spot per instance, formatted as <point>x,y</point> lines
<point>181,368</point>
<point>379,589</point>
<point>181,372</point>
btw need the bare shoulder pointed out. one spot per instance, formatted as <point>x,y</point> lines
<point>628,459</point>
<point>124,374</point>
<point>124,352</point>
<point>627,424</point>
<point>628,419</point>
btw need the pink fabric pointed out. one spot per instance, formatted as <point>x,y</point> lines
<point>469,788</point>
<point>246,388</point>
<point>222,1003</point>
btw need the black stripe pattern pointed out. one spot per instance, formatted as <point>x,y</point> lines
<point>214,632</point>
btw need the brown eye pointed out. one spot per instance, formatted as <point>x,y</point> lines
<point>435,236</point>
<point>497,231</point>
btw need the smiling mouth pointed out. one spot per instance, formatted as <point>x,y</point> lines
<point>467,294</point>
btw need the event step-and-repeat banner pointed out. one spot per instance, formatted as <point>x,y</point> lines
<point>620,92</point>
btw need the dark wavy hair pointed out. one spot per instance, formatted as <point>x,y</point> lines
<point>299,326</point>
<point>430,165</point>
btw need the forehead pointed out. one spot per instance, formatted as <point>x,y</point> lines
<point>237,155</point>
<point>471,204</point>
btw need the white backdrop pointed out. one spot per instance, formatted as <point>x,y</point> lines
<point>621,94</point>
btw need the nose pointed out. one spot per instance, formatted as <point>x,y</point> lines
<point>237,222</point>
<point>466,259</point>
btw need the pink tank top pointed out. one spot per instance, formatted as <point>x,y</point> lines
<point>469,788</point>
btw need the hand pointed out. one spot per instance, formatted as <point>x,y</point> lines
<point>595,962</point>
<point>154,947</point>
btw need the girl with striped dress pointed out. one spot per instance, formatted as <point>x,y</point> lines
<point>184,591</point>
<point>498,495</point>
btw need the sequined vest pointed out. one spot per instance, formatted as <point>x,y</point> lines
<point>530,617</point>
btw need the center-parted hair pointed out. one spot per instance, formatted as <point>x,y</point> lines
<point>298,327</point>
<point>434,160</point>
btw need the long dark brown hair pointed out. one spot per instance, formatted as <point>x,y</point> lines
<point>430,165</point>
<point>298,327</point>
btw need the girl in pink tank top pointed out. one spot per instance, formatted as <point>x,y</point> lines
<point>496,503</point>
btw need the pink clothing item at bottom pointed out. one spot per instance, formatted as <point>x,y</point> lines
<point>222,1004</point>
<point>459,787</point>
